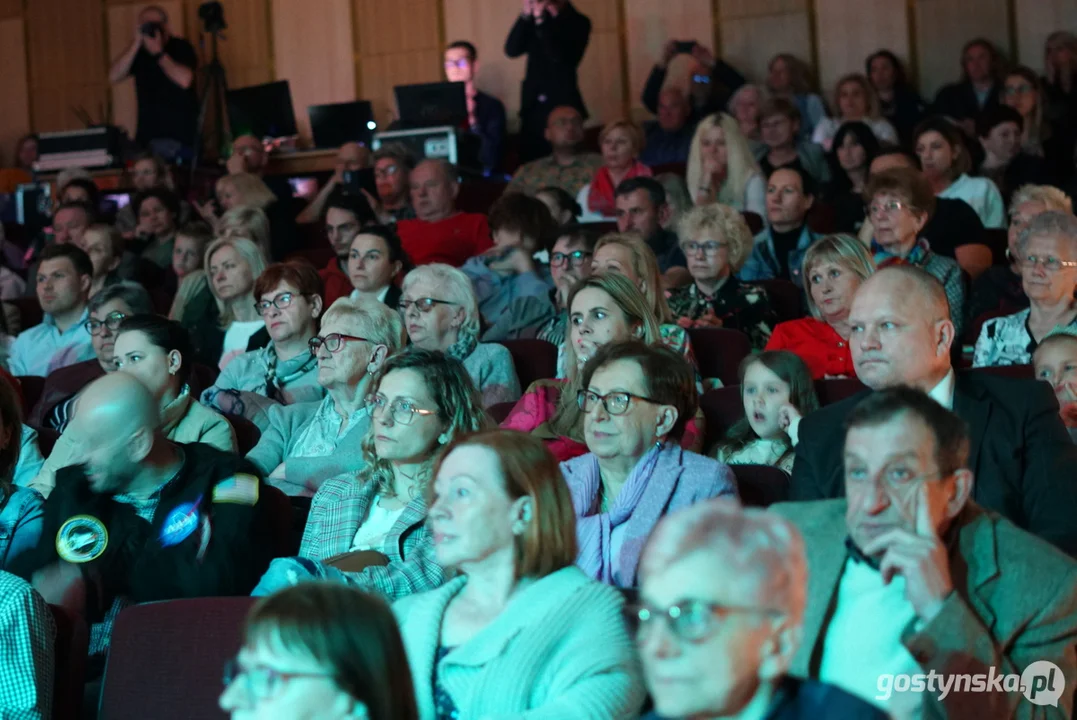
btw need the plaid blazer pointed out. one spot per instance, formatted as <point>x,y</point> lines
<point>338,509</point>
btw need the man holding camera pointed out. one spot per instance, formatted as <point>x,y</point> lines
<point>163,67</point>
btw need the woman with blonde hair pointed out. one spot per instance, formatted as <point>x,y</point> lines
<point>721,167</point>
<point>855,100</point>
<point>621,142</point>
<point>1021,90</point>
<point>246,189</point>
<point>246,221</point>
<point>833,269</point>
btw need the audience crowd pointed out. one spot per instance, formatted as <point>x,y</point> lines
<point>738,413</point>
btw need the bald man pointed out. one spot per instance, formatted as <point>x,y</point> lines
<point>1020,452</point>
<point>351,157</point>
<point>141,518</point>
<point>669,136</point>
<point>440,233</point>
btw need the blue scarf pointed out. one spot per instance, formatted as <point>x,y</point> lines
<point>917,256</point>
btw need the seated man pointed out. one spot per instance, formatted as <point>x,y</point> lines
<point>668,138</point>
<point>566,167</point>
<point>642,208</point>
<point>441,233</point>
<point>779,125</point>
<point>485,113</point>
<point>1005,162</point>
<point>346,213</point>
<point>393,164</point>
<point>63,289</point>
<point>779,247</point>
<point>712,83</point>
<point>104,245</point>
<point>107,309</point>
<point>140,518</point>
<point>28,634</point>
<point>351,157</point>
<point>249,156</point>
<point>911,579</point>
<point>69,222</point>
<point>1020,453</point>
<point>720,619</point>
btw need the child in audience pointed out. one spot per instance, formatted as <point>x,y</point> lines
<point>1055,361</point>
<point>777,391</point>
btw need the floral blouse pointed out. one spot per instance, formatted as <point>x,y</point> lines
<point>1006,341</point>
<point>736,305</point>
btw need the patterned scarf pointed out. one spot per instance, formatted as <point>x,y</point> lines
<point>601,198</point>
<point>280,373</point>
<point>463,347</point>
<point>917,256</point>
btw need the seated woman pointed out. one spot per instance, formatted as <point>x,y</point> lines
<point>1055,362</point>
<point>854,147</point>
<point>375,260</point>
<point>777,391</point>
<point>621,143</point>
<point>854,101</point>
<point>188,254</point>
<point>284,371</point>
<point>899,102</point>
<point>307,443</point>
<point>147,171</point>
<point>1047,257</point>
<point>833,269</point>
<point>156,351</point>
<point>320,651</point>
<point>217,306</point>
<point>441,312</point>
<point>158,212</point>
<point>106,310</point>
<point>249,222</point>
<point>899,204</point>
<point>636,401</point>
<point>21,508</point>
<point>1021,90</point>
<point>420,401</point>
<point>780,122</point>
<point>519,632</point>
<point>789,76</point>
<point>245,189</point>
<point>745,105</point>
<point>722,169</point>
<point>104,245</point>
<point>716,241</point>
<point>562,206</point>
<point>946,163</point>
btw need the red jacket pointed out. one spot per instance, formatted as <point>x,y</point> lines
<point>452,240</point>
<point>817,344</point>
<point>337,284</point>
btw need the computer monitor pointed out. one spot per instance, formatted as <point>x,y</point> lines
<point>339,123</point>
<point>262,111</point>
<point>431,105</point>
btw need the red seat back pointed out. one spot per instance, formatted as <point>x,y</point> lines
<point>761,485</point>
<point>167,658</point>
<point>534,360</point>
<point>70,648</point>
<point>247,433</point>
<point>719,352</point>
<point>500,411</point>
<point>31,386</point>
<point>1020,372</point>
<point>832,390</point>
<point>721,408</point>
<point>785,298</point>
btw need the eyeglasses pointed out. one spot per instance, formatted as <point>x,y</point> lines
<point>333,342</point>
<point>280,302</point>
<point>386,172</point>
<point>1050,264</point>
<point>262,681</point>
<point>400,410</point>
<point>889,207</point>
<point>692,620</point>
<point>616,403</point>
<point>461,63</point>
<point>709,248</point>
<point>424,305</point>
<point>112,322</point>
<point>575,259</point>
<point>1017,90</point>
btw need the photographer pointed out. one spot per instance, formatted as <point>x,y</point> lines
<point>163,67</point>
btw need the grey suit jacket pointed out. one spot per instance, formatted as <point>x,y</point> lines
<point>1014,602</point>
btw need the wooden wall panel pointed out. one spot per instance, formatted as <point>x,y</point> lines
<point>121,28</point>
<point>649,24</point>
<point>748,42</point>
<point>1036,19</point>
<point>10,9</point>
<point>943,27</point>
<point>847,31</point>
<point>602,70</point>
<point>313,51</point>
<point>15,119</point>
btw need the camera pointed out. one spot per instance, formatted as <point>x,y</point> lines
<point>151,28</point>
<point>212,16</point>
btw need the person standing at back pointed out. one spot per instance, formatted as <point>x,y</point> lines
<point>554,35</point>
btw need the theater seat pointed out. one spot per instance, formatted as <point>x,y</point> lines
<point>785,298</point>
<point>500,411</point>
<point>832,390</point>
<point>286,536</point>
<point>1020,372</point>
<point>30,312</point>
<point>754,220</point>
<point>31,387</point>
<point>761,485</point>
<point>167,658</point>
<point>70,648</point>
<point>719,352</point>
<point>247,433</point>
<point>722,408</point>
<point>533,359</point>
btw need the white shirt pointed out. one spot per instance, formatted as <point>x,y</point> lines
<point>376,527</point>
<point>381,296</point>
<point>827,128</point>
<point>943,393</point>
<point>236,338</point>
<point>982,196</point>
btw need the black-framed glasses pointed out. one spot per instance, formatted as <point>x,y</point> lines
<point>333,342</point>
<point>112,322</point>
<point>710,248</point>
<point>262,681</point>
<point>575,258</point>
<point>691,620</point>
<point>280,302</point>
<point>616,403</point>
<point>401,410</point>
<point>1049,262</point>
<point>424,305</point>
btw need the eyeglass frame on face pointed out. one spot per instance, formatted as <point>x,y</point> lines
<point>423,304</point>
<point>262,306</point>
<point>892,207</point>
<point>116,317</point>
<point>316,342</point>
<point>395,407</point>
<point>573,259</point>
<point>386,172</point>
<point>1017,90</point>
<point>583,399</point>
<point>274,679</point>
<point>1031,261</point>
<point>710,248</point>
<point>646,616</point>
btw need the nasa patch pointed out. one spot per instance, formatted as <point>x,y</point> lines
<point>180,523</point>
<point>81,539</point>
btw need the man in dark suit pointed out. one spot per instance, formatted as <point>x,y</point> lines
<point>1020,452</point>
<point>554,36</point>
<point>978,89</point>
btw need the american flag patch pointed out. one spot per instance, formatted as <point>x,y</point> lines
<point>241,489</point>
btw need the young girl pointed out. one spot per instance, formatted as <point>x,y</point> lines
<point>777,390</point>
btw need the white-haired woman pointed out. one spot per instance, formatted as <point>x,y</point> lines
<point>441,312</point>
<point>307,443</point>
<point>1047,258</point>
<point>745,105</point>
<point>721,167</point>
<point>855,100</point>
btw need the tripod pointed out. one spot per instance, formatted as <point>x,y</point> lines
<point>215,90</point>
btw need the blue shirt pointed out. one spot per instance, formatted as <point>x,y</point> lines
<point>763,263</point>
<point>35,350</point>
<point>30,459</point>
<point>21,520</point>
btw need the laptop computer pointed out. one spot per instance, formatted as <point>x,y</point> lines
<point>262,111</point>
<point>431,105</point>
<point>338,123</point>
